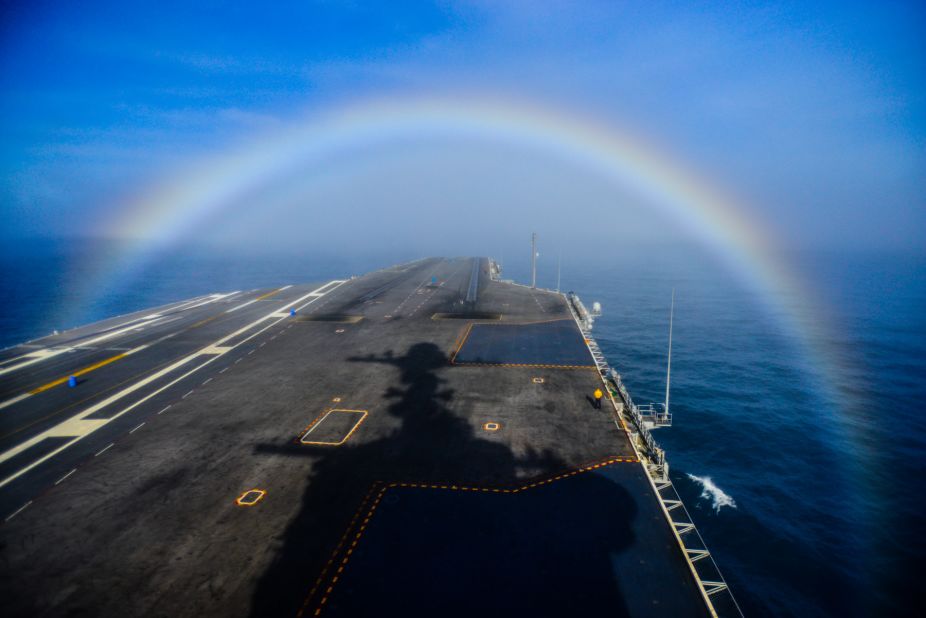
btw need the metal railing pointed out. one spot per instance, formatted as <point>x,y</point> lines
<point>654,415</point>
<point>640,419</point>
<point>717,594</point>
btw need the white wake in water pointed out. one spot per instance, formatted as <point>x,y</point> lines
<point>710,491</point>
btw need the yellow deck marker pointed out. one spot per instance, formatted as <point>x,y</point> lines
<point>251,497</point>
<point>491,426</point>
<point>78,373</point>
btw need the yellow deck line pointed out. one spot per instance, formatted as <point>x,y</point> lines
<point>80,372</point>
<point>269,294</point>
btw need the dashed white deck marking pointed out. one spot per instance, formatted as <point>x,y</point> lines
<point>65,477</point>
<point>17,511</point>
<point>40,355</point>
<point>80,426</point>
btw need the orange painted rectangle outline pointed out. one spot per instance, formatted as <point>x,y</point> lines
<point>314,426</point>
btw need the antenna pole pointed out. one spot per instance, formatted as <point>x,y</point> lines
<point>534,259</point>
<point>669,364</point>
<point>558,260</point>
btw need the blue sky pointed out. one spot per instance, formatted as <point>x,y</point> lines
<point>813,116</point>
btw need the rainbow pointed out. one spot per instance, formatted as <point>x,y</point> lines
<point>172,211</point>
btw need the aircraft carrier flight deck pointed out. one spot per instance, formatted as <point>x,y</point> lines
<point>419,441</point>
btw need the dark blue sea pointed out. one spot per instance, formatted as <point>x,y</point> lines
<point>799,452</point>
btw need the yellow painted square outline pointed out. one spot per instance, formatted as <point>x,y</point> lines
<point>497,426</point>
<point>302,439</point>
<point>538,380</point>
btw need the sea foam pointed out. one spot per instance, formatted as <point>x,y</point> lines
<point>711,492</point>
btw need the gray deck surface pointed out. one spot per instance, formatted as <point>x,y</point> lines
<point>385,492</point>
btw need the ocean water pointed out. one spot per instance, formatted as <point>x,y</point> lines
<point>799,452</point>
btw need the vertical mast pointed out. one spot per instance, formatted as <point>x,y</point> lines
<point>559,258</point>
<point>534,259</point>
<point>669,364</point>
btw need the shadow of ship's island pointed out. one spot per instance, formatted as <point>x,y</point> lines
<point>544,551</point>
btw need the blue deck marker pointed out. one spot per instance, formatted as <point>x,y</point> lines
<point>433,280</point>
<point>292,312</point>
<point>72,381</point>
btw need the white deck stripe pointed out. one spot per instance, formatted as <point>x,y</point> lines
<point>79,426</point>
<point>41,355</point>
<point>243,305</point>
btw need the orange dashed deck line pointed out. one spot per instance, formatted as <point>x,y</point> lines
<point>337,549</point>
<point>384,487</point>
<point>462,340</point>
<point>526,322</point>
<point>535,365</point>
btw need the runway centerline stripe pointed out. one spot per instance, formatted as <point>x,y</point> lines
<point>78,373</point>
